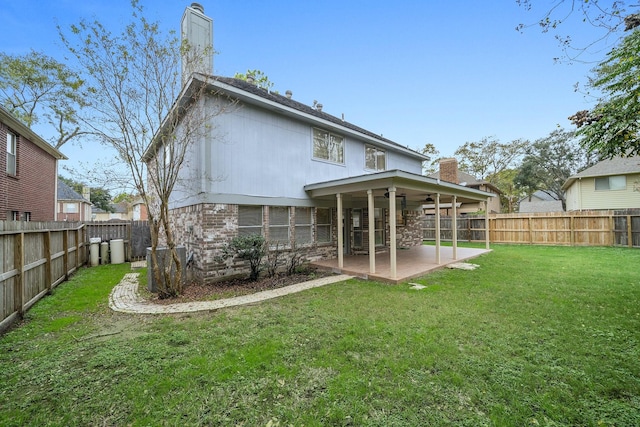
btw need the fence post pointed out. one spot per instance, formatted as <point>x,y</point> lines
<point>530,231</point>
<point>65,255</point>
<point>18,284</point>
<point>629,232</point>
<point>47,255</point>
<point>572,226</point>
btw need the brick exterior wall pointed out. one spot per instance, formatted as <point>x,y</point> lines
<point>411,233</point>
<point>205,228</point>
<point>33,188</point>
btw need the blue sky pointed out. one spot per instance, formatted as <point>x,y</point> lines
<point>415,71</point>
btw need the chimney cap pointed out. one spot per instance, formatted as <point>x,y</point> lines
<point>198,7</point>
<point>288,94</point>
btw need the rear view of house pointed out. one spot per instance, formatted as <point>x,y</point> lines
<point>306,180</point>
<point>28,183</point>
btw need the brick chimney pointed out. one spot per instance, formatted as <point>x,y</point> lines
<point>449,170</point>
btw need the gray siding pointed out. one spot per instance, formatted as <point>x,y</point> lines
<point>253,152</point>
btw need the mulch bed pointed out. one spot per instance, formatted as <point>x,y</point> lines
<point>237,287</point>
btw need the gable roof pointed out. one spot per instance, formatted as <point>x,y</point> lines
<point>615,166</point>
<point>67,193</point>
<point>12,122</point>
<point>468,180</point>
<point>252,94</point>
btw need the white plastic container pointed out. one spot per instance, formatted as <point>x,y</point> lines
<point>104,253</point>
<point>94,251</point>
<point>117,251</point>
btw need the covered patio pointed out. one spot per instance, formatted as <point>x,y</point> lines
<point>410,263</point>
<point>399,192</point>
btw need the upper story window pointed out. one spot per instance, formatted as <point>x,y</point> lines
<point>11,153</point>
<point>375,158</point>
<point>611,183</point>
<point>328,146</point>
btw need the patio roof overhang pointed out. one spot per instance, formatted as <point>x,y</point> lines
<point>414,187</point>
<point>413,190</point>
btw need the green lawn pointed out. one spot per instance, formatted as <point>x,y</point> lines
<point>543,336</point>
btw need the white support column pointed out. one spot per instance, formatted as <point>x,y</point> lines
<point>454,227</point>
<point>372,232</point>
<point>340,231</point>
<point>486,223</point>
<point>392,231</point>
<point>437,206</point>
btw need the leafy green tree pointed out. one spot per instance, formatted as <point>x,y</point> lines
<point>37,89</point>
<point>488,157</point>
<point>98,196</point>
<point>612,127</point>
<point>509,192</point>
<point>430,166</point>
<point>260,78</point>
<point>550,161</point>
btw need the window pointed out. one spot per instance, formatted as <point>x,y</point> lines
<point>278,225</point>
<point>611,183</point>
<point>249,220</point>
<point>327,146</point>
<point>303,226</point>
<point>70,208</point>
<point>375,158</point>
<point>323,225</point>
<point>15,216</point>
<point>27,216</point>
<point>11,153</point>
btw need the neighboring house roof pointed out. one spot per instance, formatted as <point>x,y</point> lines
<point>468,180</point>
<point>118,208</point>
<point>67,193</point>
<point>615,166</point>
<point>253,94</point>
<point>15,124</point>
<point>540,206</point>
<point>539,196</point>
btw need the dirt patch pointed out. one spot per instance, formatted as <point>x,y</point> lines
<point>238,287</point>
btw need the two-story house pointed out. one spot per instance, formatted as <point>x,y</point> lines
<point>73,206</point>
<point>28,182</point>
<point>304,179</point>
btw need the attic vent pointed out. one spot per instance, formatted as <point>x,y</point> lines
<point>198,7</point>
<point>251,79</point>
<point>319,107</point>
<point>288,94</point>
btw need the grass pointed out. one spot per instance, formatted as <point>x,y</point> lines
<point>535,336</point>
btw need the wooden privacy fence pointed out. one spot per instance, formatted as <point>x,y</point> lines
<point>598,228</point>
<point>135,234</point>
<point>35,258</point>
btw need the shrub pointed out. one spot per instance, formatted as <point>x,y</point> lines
<point>250,248</point>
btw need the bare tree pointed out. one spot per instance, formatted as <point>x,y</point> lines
<point>142,111</point>
<point>607,18</point>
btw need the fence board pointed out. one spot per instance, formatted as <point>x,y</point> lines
<point>34,257</point>
<point>599,228</point>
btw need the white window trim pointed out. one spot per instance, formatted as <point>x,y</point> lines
<point>608,178</point>
<point>377,149</point>
<point>12,153</point>
<point>320,159</point>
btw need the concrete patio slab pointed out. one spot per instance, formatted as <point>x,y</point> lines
<point>411,263</point>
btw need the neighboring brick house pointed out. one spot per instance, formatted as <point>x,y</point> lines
<point>449,172</point>
<point>28,183</point>
<point>71,205</point>
<point>304,179</point>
